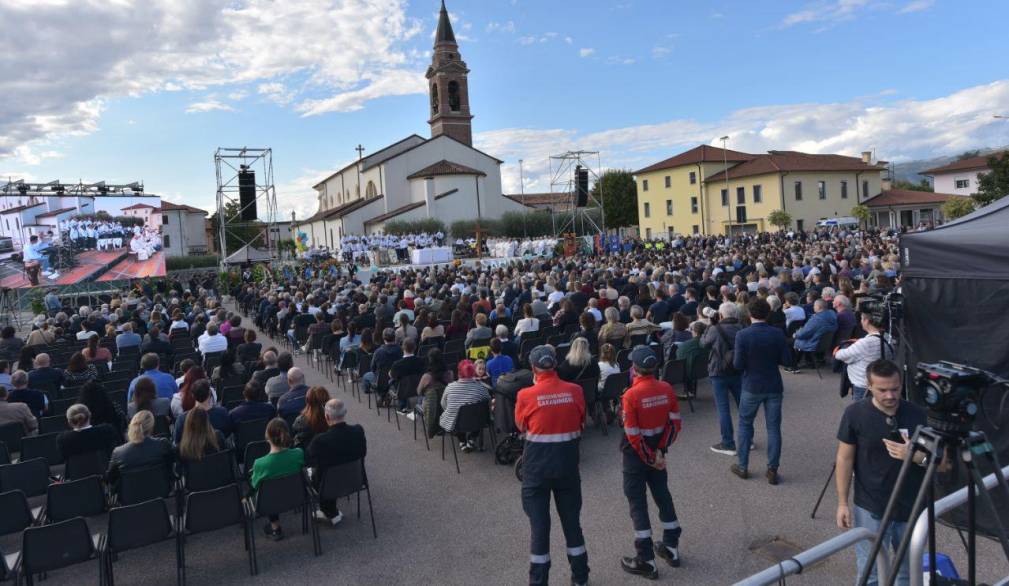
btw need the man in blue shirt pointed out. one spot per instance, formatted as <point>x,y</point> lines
<point>128,338</point>
<point>164,382</point>
<point>757,353</point>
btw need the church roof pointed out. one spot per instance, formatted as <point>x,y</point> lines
<point>444,34</point>
<point>444,167</point>
<point>398,211</point>
<point>339,211</point>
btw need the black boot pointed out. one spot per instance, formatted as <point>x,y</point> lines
<point>638,567</point>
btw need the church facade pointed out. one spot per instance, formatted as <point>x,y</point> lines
<point>441,177</point>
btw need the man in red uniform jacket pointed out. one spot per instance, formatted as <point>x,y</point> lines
<point>651,423</point>
<point>551,413</point>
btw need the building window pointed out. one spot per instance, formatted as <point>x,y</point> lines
<point>963,183</point>
<point>669,207</point>
<point>725,197</point>
<point>370,191</point>
<point>164,218</point>
<point>167,240</point>
<point>693,205</point>
<point>648,233</point>
<point>454,98</point>
<point>693,178</point>
<point>648,210</point>
<point>669,182</point>
<point>798,191</point>
<point>865,189</point>
<point>644,185</point>
<point>821,189</point>
<point>758,195</point>
<point>740,195</point>
<point>697,229</point>
<point>799,225</point>
<point>844,190</point>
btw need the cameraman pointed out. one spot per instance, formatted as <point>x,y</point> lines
<point>873,440</point>
<point>863,352</point>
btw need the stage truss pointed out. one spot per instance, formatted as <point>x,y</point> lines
<point>228,162</point>
<point>22,187</point>
<point>563,180</point>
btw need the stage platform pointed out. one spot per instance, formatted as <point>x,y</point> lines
<point>131,268</point>
<point>89,264</point>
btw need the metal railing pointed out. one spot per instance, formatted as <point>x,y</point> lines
<point>919,539</point>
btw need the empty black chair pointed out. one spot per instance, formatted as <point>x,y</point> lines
<point>346,480</point>
<point>77,498</point>
<point>675,373</point>
<point>249,431</point>
<point>10,563</point>
<point>137,485</point>
<point>15,512</point>
<point>42,446</point>
<point>289,493</point>
<point>472,418</point>
<point>11,434</point>
<point>254,451</point>
<point>89,464</point>
<point>60,545</point>
<point>213,471</point>
<point>29,476</point>
<point>54,424</point>
<point>136,526</point>
<point>210,510</point>
<point>5,456</point>
<point>590,392</point>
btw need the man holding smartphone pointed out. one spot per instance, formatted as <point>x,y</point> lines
<point>873,440</point>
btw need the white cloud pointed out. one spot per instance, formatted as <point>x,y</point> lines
<point>502,27</point>
<point>390,83</point>
<point>209,105</point>
<point>586,52</point>
<point>27,155</point>
<point>569,40</point>
<point>825,12</point>
<point>527,40</point>
<point>276,92</point>
<point>898,131</point>
<point>916,6</point>
<point>658,52</point>
<point>132,47</point>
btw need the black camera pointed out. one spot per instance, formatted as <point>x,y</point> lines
<point>883,308</point>
<point>952,392</point>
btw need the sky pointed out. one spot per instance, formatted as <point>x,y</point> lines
<point>147,90</point>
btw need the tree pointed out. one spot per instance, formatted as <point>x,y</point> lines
<point>780,218</point>
<point>968,155</point>
<point>956,207</point>
<point>861,213</point>
<point>993,185</point>
<point>619,197</point>
<point>237,236</point>
<point>923,185</point>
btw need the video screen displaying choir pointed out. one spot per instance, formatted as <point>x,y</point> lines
<point>102,235</point>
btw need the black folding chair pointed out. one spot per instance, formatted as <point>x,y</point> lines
<point>624,359</point>
<point>77,498</point>
<point>137,485</point>
<point>253,451</point>
<point>675,373</point>
<point>210,510</point>
<point>346,480</point>
<point>590,392</point>
<point>42,446</point>
<point>88,464</point>
<point>472,418</point>
<point>247,432</point>
<point>406,389</point>
<point>15,512</point>
<point>213,471</point>
<point>29,476</point>
<point>59,545</point>
<point>54,424</point>
<point>10,564</point>
<point>11,434</point>
<point>5,456</point>
<point>289,493</point>
<point>135,526</point>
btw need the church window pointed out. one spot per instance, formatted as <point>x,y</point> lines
<point>370,191</point>
<point>454,100</point>
<point>434,98</point>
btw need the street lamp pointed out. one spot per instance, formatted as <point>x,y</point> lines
<point>725,162</point>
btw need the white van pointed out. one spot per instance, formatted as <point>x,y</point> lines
<point>842,222</point>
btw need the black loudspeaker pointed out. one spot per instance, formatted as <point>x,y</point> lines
<point>582,186</point>
<point>247,194</point>
<point>740,214</point>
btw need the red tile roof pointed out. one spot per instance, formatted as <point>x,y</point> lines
<point>389,215</point>
<point>19,208</point>
<point>168,206</point>
<point>979,162</point>
<point>139,206</point>
<point>540,200</point>
<point>55,213</point>
<point>445,167</point>
<point>778,161</point>
<point>700,154</point>
<point>900,197</point>
<point>339,211</point>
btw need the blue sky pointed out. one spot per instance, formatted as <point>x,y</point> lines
<point>130,90</point>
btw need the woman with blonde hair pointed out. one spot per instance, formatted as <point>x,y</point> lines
<point>613,331</point>
<point>141,448</point>
<point>578,364</point>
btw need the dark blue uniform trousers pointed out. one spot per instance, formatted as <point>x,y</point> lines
<point>638,477</point>
<point>567,493</point>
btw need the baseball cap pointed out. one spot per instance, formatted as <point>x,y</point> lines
<point>643,357</point>
<point>543,357</point>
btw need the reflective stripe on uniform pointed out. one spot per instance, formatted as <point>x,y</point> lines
<point>653,431</point>
<point>632,431</point>
<point>674,416</point>
<point>576,551</point>
<point>549,438</point>
<point>643,534</point>
<point>539,559</point>
<point>670,524</point>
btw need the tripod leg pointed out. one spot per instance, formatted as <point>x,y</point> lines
<point>833,468</point>
<point>919,502</point>
<point>987,498</point>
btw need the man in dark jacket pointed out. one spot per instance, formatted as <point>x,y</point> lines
<point>383,358</point>
<point>269,371</point>
<point>44,377</point>
<point>156,345</point>
<point>758,351</point>
<point>36,400</point>
<point>340,444</point>
<point>408,365</point>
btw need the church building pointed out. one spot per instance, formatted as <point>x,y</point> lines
<point>440,177</point>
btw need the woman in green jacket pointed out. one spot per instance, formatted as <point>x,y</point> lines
<point>283,460</point>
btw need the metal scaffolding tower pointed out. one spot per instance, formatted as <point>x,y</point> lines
<point>229,162</point>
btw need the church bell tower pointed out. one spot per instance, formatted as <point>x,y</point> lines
<point>448,87</point>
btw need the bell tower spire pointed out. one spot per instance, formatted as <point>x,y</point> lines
<point>448,85</point>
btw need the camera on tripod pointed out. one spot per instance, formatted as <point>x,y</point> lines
<point>953,393</point>
<point>883,308</point>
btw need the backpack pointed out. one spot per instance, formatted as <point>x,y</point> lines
<point>728,357</point>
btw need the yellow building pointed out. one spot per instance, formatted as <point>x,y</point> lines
<point>809,187</point>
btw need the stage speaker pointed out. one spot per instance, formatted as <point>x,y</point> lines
<point>582,186</point>
<point>740,214</point>
<point>247,194</point>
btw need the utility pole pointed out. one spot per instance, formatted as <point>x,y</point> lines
<point>522,190</point>
<point>728,201</point>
